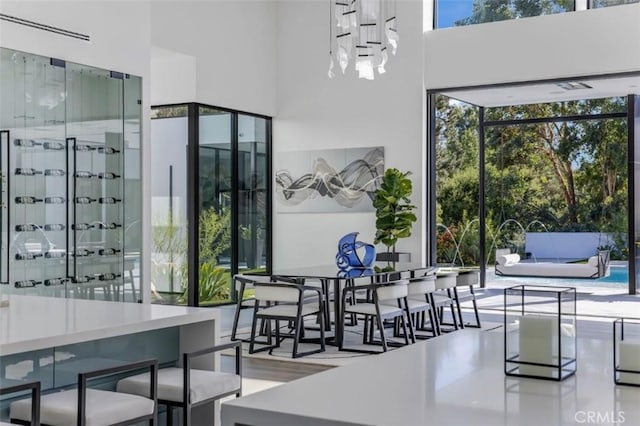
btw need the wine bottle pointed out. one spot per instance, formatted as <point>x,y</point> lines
<point>108,251</point>
<point>27,256</point>
<point>84,200</point>
<point>83,279</point>
<point>27,171</point>
<point>108,276</point>
<point>54,281</point>
<point>55,254</point>
<point>26,283</point>
<point>54,146</point>
<point>84,175</point>
<point>26,227</point>
<point>54,172</point>
<point>84,148</point>
<point>54,200</point>
<point>108,175</point>
<point>26,143</point>
<point>108,150</point>
<point>83,253</point>
<point>108,200</point>
<point>28,200</point>
<point>54,227</point>
<point>81,226</point>
<point>111,225</point>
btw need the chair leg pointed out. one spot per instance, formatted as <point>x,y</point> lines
<point>169,415</point>
<point>436,323</point>
<point>322,344</point>
<point>382,338</point>
<point>475,307</point>
<point>404,330</point>
<point>253,333</point>
<point>186,415</point>
<point>433,323</point>
<point>457,300</point>
<point>296,338</point>
<point>236,319</point>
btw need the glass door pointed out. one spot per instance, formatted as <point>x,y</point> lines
<point>215,194</point>
<point>33,163</point>
<point>95,136</point>
<point>252,196</point>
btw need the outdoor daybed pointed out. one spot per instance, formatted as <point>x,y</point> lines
<point>596,267</point>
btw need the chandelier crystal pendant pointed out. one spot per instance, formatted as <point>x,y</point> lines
<point>362,31</point>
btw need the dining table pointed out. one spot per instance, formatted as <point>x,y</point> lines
<point>331,275</point>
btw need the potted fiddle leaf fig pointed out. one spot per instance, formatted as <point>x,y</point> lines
<point>394,213</point>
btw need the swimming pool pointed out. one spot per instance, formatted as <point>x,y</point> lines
<point>619,277</point>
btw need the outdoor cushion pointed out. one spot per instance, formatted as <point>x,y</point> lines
<point>508,259</point>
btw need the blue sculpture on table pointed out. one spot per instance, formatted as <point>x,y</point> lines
<point>348,256</point>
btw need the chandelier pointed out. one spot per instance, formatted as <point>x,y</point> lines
<point>363,31</point>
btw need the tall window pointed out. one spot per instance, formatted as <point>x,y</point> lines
<point>211,201</point>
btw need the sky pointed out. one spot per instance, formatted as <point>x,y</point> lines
<point>450,11</point>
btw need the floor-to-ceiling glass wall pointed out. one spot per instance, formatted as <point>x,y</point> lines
<point>556,182</point>
<point>228,154</point>
<point>169,136</point>
<point>457,183</point>
<point>215,173</point>
<point>253,133</point>
<point>548,181</point>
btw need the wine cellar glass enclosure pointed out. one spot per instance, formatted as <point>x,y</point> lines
<point>71,189</point>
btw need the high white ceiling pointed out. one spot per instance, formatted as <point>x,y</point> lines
<point>547,92</point>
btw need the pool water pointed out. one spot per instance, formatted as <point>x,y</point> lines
<point>619,277</point>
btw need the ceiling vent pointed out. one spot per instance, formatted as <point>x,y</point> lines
<point>573,85</point>
<point>44,27</point>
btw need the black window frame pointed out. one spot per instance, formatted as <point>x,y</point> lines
<point>193,194</point>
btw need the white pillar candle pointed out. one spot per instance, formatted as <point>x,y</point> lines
<point>629,358</point>
<point>538,343</point>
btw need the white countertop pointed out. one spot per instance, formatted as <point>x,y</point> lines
<point>30,323</point>
<point>457,379</point>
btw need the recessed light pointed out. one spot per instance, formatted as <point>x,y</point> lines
<point>573,85</point>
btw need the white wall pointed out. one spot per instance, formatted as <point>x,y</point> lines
<point>120,41</point>
<point>583,43</point>
<point>315,112</point>
<point>173,77</point>
<point>234,46</point>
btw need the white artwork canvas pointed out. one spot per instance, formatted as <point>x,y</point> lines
<point>325,181</point>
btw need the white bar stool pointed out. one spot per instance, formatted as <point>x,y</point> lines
<point>92,407</point>
<point>187,387</point>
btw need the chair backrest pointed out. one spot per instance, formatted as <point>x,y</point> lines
<point>422,285</point>
<point>444,282</point>
<point>398,290</point>
<point>277,292</point>
<point>249,280</point>
<point>35,389</point>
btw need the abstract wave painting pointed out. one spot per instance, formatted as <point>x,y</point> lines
<point>333,180</point>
